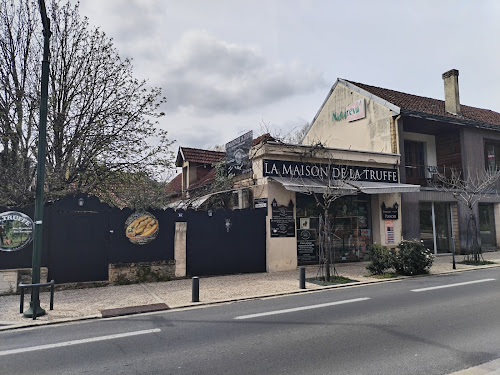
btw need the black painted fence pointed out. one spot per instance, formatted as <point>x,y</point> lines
<point>79,242</point>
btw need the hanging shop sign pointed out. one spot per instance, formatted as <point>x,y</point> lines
<point>237,154</point>
<point>293,169</point>
<point>141,228</point>
<point>353,112</point>
<point>282,222</point>
<point>390,213</point>
<point>16,230</point>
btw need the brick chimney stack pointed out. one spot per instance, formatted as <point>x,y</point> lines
<point>451,96</point>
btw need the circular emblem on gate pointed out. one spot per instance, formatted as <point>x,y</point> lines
<point>141,227</point>
<point>16,230</point>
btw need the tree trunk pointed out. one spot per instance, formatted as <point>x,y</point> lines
<point>327,246</point>
<point>475,240</point>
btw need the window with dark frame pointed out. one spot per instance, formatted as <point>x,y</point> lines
<point>414,161</point>
<point>492,155</point>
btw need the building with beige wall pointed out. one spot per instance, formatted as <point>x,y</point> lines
<point>381,149</point>
<point>360,180</point>
<point>366,127</point>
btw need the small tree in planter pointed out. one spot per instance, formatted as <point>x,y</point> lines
<point>413,258</point>
<point>468,189</point>
<point>382,259</point>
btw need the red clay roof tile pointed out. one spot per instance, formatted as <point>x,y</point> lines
<point>197,155</point>
<point>174,186</point>
<point>431,106</point>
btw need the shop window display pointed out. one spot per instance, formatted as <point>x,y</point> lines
<point>351,232</point>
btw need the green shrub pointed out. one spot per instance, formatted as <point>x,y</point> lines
<point>381,257</point>
<point>413,258</point>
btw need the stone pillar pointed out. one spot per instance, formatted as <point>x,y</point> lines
<point>281,253</point>
<point>8,281</point>
<point>180,249</point>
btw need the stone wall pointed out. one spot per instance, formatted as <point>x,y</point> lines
<point>9,279</point>
<point>126,273</point>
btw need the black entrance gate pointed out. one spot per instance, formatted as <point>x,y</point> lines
<point>226,242</point>
<point>78,241</point>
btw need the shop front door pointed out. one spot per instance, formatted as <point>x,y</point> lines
<point>487,226</point>
<point>435,226</point>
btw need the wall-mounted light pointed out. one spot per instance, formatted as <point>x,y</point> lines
<point>81,202</point>
<point>210,213</point>
<point>228,224</point>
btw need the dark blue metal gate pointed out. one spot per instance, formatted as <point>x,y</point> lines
<point>227,242</point>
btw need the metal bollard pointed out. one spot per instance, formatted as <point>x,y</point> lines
<point>302,277</point>
<point>21,306</point>
<point>196,290</point>
<point>52,294</point>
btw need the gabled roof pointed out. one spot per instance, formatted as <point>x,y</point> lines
<point>197,155</point>
<point>418,106</point>
<point>409,102</point>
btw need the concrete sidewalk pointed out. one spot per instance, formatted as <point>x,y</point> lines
<point>89,303</point>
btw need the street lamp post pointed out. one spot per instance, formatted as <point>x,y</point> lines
<point>35,308</point>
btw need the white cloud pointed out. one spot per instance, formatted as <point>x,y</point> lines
<point>204,75</point>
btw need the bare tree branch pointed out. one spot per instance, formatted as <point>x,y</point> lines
<point>102,122</point>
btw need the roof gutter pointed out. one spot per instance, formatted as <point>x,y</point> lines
<point>450,120</point>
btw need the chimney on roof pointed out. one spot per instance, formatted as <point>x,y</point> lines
<point>451,97</point>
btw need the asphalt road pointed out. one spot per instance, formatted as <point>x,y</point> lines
<point>387,328</point>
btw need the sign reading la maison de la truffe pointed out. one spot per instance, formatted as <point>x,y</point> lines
<point>293,169</point>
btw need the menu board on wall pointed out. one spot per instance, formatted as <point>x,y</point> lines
<point>282,222</point>
<point>389,232</point>
<point>306,246</point>
<point>281,228</point>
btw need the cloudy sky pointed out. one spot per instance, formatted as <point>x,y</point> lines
<point>229,66</point>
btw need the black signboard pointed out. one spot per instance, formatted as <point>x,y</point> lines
<point>260,203</point>
<point>282,228</point>
<point>282,222</point>
<point>390,213</point>
<point>294,169</point>
<point>306,246</point>
<point>237,158</point>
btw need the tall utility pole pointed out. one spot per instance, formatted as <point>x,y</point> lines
<point>35,308</point>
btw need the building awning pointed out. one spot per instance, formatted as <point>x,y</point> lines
<point>369,187</point>
<point>188,203</point>
<point>196,203</point>
<point>309,186</point>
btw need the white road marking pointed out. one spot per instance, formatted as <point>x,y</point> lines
<point>452,285</point>
<point>76,342</point>
<point>276,312</point>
